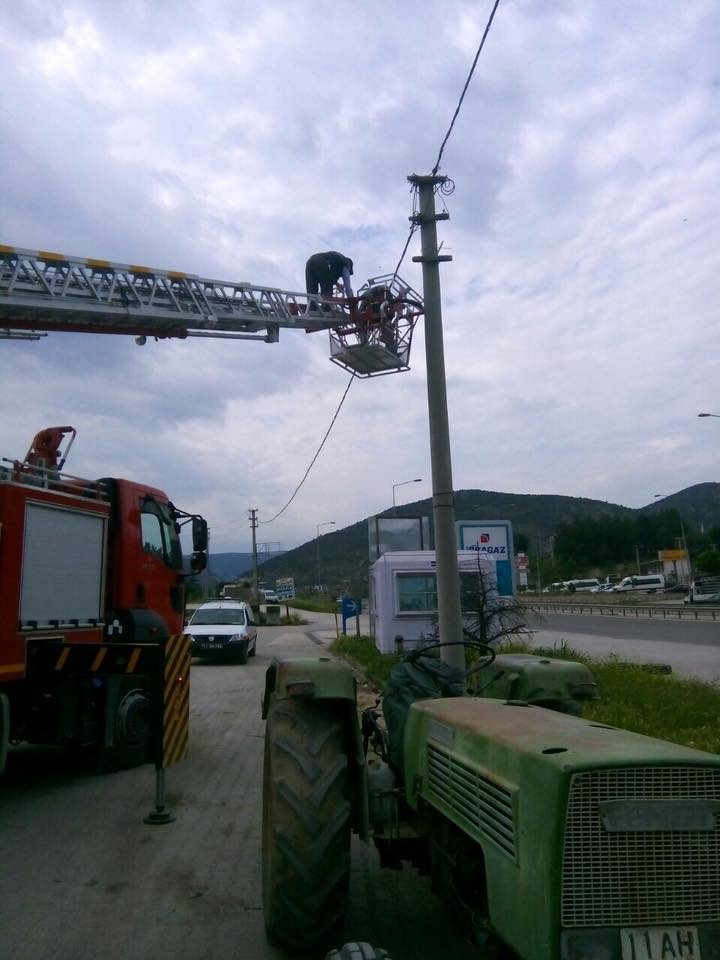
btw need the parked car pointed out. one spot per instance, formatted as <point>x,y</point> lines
<point>223,628</point>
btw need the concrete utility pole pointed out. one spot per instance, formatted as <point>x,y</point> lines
<point>253,525</point>
<point>448,582</point>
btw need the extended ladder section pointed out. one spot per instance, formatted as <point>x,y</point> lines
<point>49,291</point>
<point>42,291</point>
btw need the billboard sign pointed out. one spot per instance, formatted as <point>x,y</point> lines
<point>390,534</point>
<point>494,538</point>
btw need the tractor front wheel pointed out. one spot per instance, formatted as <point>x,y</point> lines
<point>306,824</point>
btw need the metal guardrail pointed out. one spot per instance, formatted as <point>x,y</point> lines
<point>658,612</point>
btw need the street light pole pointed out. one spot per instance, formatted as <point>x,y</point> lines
<point>402,484</point>
<point>327,523</point>
<point>448,581</point>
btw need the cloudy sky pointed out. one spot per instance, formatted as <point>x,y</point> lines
<point>234,139</point>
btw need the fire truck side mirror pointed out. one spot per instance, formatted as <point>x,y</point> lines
<point>199,534</point>
<point>198,561</point>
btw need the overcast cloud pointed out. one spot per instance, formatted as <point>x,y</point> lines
<point>234,139</point>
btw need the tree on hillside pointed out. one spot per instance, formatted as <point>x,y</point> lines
<point>708,562</point>
<point>592,542</point>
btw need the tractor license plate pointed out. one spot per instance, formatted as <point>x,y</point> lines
<point>660,943</point>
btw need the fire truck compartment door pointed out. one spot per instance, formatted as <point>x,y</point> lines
<point>63,568</point>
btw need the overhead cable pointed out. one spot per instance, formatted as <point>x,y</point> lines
<point>317,454</point>
<point>465,88</point>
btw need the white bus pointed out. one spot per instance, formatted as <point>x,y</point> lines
<point>581,586</point>
<point>649,583</point>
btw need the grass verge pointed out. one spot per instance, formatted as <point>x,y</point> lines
<point>313,604</point>
<point>362,653</point>
<point>633,697</point>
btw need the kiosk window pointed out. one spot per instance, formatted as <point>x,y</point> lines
<point>416,593</point>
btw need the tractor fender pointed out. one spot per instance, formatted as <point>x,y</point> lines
<point>323,678</point>
<point>537,680</point>
<point>318,678</point>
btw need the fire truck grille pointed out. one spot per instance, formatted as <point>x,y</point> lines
<point>625,877</point>
<point>481,805</point>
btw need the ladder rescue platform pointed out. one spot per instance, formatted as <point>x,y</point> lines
<point>379,336</point>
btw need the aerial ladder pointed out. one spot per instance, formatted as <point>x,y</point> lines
<point>40,292</point>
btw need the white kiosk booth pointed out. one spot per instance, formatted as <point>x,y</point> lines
<point>403,594</point>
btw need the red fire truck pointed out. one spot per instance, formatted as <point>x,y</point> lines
<point>92,652</point>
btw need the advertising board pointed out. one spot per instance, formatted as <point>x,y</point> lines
<point>494,538</point>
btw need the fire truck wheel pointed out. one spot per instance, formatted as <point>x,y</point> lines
<point>306,824</point>
<point>131,733</point>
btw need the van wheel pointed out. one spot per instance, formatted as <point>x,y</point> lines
<point>306,824</point>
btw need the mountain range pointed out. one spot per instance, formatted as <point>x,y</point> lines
<point>343,554</point>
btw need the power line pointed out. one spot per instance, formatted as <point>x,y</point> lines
<point>413,228</point>
<point>317,454</point>
<point>465,88</point>
<point>414,225</point>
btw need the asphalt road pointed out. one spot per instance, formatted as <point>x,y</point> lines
<point>83,877</point>
<point>691,647</point>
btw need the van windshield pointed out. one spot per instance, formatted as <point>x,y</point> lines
<point>218,615</point>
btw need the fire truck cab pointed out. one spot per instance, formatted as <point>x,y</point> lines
<point>91,587</point>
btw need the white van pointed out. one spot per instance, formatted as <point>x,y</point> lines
<point>641,584</point>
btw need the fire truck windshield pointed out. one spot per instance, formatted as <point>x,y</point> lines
<point>159,533</point>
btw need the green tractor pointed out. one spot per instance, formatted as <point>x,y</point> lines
<point>554,837</point>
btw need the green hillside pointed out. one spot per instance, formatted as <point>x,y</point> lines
<point>535,518</point>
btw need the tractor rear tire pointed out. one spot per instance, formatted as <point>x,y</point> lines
<point>306,824</point>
